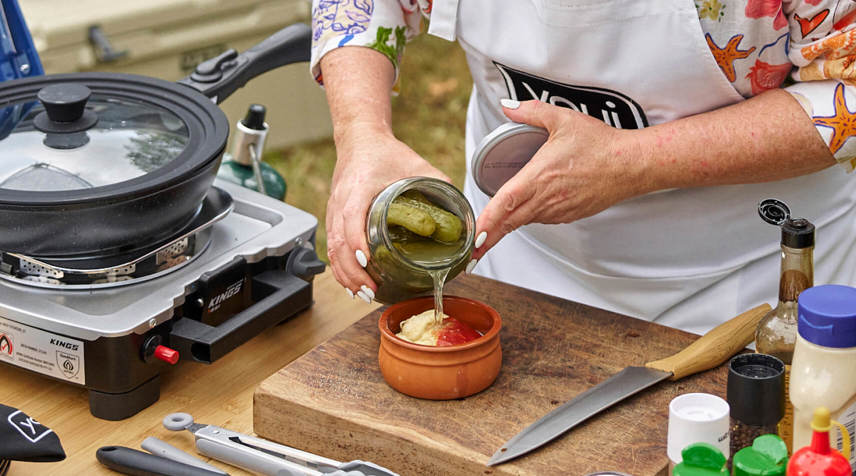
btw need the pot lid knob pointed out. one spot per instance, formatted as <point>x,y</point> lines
<point>65,108</point>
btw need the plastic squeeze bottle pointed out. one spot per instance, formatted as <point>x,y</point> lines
<point>777,331</point>
<point>819,459</point>
<point>823,373</point>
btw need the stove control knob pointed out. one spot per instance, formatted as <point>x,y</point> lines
<point>166,354</point>
<point>304,263</point>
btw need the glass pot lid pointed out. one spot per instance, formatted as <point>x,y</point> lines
<point>78,134</point>
<point>115,140</point>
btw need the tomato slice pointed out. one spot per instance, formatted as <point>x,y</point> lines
<point>455,332</point>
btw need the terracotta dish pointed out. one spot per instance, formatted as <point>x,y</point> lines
<point>440,373</point>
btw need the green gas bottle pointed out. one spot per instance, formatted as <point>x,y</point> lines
<point>244,165</point>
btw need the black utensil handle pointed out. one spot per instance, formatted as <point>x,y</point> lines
<point>138,463</point>
<point>280,296</point>
<point>219,77</point>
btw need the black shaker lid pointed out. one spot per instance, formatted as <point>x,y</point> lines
<point>756,389</point>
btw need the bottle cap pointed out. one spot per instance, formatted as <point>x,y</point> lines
<point>701,459</point>
<point>255,118</point>
<point>821,420</point>
<point>697,418</point>
<point>827,315</point>
<point>756,389</point>
<point>797,233</point>
<point>768,456</point>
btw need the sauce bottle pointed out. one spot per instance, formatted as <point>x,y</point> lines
<point>824,366</point>
<point>777,331</point>
<point>819,459</point>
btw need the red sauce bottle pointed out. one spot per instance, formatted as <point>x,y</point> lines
<point>819,459</point>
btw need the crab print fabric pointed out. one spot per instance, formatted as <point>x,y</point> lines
<point>806,46</point>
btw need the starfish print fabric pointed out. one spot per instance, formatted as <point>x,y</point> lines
<point>758,45</point>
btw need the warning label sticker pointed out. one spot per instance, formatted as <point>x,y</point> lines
<point>43,352</point>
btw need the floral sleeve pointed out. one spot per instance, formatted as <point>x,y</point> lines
<point>383,25</point>
<point>823,49</point>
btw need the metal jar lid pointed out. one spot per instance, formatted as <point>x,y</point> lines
<point>503,152</point>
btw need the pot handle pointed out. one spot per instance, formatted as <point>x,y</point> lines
<point>282,295</point>
<point>220,76</point>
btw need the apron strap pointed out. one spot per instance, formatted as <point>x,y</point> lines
<point>444,19</point>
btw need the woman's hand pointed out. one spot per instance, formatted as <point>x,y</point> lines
<point>584,167</point>
<point>368,160</point>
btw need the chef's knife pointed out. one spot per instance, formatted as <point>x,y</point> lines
<point>705,353</point>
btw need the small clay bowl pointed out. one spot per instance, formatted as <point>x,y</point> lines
<point>440,373</point>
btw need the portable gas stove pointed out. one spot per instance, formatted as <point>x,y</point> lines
<point>244,264</point>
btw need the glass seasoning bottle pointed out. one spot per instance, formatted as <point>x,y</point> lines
<point>777,331</point>
<point>756,398</point>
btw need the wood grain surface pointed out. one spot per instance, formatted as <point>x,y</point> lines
<point>219,394</point>
<point>333,400</point>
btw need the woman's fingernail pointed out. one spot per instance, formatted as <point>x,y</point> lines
<point>481,239</point>
<point>363,296</point>
<point>471,265</point>
<point>368,291</point>
<point>350,293</point>
<point>509,103</point>
<point>361,258</point>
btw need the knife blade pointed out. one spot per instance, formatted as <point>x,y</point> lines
<point>707,352</point>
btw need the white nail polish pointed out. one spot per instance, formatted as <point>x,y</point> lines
<point>350,293</point>
<point>361,258</point>
<point>471,265</point>
<point>481,239</point>
<point>368,291</point>
<point>363,296</point>
<point>509,103</point>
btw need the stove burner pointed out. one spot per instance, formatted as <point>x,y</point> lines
<point>126,268</point>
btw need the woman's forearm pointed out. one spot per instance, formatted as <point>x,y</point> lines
<point>358,82</point>
<point>766,138</point>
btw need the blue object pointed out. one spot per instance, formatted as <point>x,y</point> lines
<point>18,59</point>
<point>827,315</point>
<point>18,56</point>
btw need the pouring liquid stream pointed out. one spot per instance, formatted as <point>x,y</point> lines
<point>439,278</point>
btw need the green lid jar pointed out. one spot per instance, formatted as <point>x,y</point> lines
<point>400,274</point>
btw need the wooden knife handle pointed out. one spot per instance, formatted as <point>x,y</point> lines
<point>715,347</point>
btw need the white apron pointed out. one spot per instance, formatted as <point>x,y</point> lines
<point>688,258</point>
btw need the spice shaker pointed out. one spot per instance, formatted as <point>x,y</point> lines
<point>777,331</point>
<point>400,274</point>
<point>756,396</point>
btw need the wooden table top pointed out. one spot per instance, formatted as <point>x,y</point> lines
<point>220,394</point>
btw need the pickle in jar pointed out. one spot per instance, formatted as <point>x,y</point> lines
<point>448,227</point>
<point>411,218</point>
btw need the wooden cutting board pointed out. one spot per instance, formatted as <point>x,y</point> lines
<point>334,402</point>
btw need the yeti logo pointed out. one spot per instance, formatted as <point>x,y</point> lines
<point>611,107</point>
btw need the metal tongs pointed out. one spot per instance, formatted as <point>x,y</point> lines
<point>265,457</point>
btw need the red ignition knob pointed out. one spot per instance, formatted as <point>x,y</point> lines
<point>166,354</point>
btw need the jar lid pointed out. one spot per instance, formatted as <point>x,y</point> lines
<point>756,389</point>
<point>503,152</point>
<point>827,315</point>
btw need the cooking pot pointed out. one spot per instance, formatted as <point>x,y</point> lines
<point>96,164</point>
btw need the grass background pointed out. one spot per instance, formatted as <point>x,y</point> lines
<point>428,115</point>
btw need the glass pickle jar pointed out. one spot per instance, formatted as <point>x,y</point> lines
<point>402,271</point>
